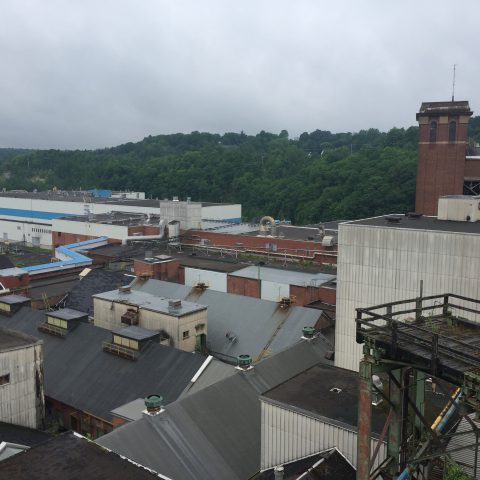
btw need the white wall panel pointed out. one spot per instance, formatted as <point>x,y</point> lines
<point>274,291</point>
<point>215,280</point>
<point>288,435</point>
<point>383,264</point>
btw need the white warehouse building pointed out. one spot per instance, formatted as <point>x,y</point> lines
<point>385,259</point>
<point>28,216</point>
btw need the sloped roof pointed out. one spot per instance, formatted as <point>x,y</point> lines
<point>96,281</point>
<point>70,457</point>
<point>22,435</point>
<point>5,262</point>
<point>215,432</point>
<point>327,465</point>
<point>238,324</point>
<point>80,374</point>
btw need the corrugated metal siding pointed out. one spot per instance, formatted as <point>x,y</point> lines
<point>274,291</point>
<point>378,265</point>
<point>289,435</point>
<point>466,457</point>
<point>215,280</point>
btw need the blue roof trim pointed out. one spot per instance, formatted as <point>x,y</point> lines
<point>17,212</point>
<point>75,257</point>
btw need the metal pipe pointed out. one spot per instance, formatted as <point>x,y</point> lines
<point>438,426</point>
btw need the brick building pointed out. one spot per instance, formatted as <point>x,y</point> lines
<point>444,167</point>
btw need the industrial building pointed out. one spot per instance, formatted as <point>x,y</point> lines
<point>28,216</point>
<point>447,163</point>
<point>389,258</point>
<point>21,379</point>
<point>239,324</point>
<point>183,324</point>
<point>89,371</point>
<point>217,427</point>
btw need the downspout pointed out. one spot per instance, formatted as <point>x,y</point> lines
<point>147,237</point>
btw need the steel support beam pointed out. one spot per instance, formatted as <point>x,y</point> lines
<point>395,430</point>
<point>364,420</point>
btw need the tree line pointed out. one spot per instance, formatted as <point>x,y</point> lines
<point>319,176</point>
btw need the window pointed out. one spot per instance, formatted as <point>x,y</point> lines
<point>4,379</point>
<point>452,131</point>
<point>433,132</point>
<point>186,334</point>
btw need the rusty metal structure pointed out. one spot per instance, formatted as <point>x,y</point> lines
<point>408,341</point>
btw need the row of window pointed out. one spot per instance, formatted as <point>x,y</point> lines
<point>41,230</point>
<point>452,131</point>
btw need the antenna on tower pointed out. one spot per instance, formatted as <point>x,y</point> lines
<point>453,83</point>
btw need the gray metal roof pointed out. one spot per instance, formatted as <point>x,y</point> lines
<point>96,281</point>
<point>12,339</point>
<point>214,433</point>
<point>79,373</point>
<point>67,314</point>
<point>284,276</point>
<point>241,325</point>
<point>130,410</point>
<point>13,299</point>
<point>71,457</point>
<point>136,333</point>
<point>147,301</point>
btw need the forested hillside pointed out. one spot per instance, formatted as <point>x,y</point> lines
<point>319,176</point>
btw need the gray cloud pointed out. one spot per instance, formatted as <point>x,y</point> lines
<point>88,74</point>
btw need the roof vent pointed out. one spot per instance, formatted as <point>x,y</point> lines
<point>201,286</point>
<point>244,362</point>
<point>174,303</point>
<point>308,333</point>
<point>153,404</point>
<point>124,289</point>
<point>414,215</point>
<point>393,218</point>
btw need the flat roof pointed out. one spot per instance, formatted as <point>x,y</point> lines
<point>151,302</point>
<point>131,410</point>
<point>11,339</point>
<point>278,275</point>
<point>12,272</point>
<point>312,391</point>
<point>67,314</point>
<point>13,299</point>
<point>420,223</point>
<point>136,333</point>
<point>116,218</point>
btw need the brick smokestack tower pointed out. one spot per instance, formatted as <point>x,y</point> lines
<point>442,149</point>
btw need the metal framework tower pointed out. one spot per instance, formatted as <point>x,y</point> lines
<point>408,340</point>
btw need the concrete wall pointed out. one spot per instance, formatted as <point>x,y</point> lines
<point>274,291</point>
<point>22,400</point>
<point>288,435</point>
<point>231,212</point>
<point>384,264</point>
<point>90,229</point>
<point>110,318</point>
<point>215,280</point>
<point>19,230</point>
<point>189,214</point>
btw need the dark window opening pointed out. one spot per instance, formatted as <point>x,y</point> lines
<point>433,132</point>
<point>452,131</point>
<point>4,379</point>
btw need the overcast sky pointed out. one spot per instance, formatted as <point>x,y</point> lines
<point>88,74</point>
